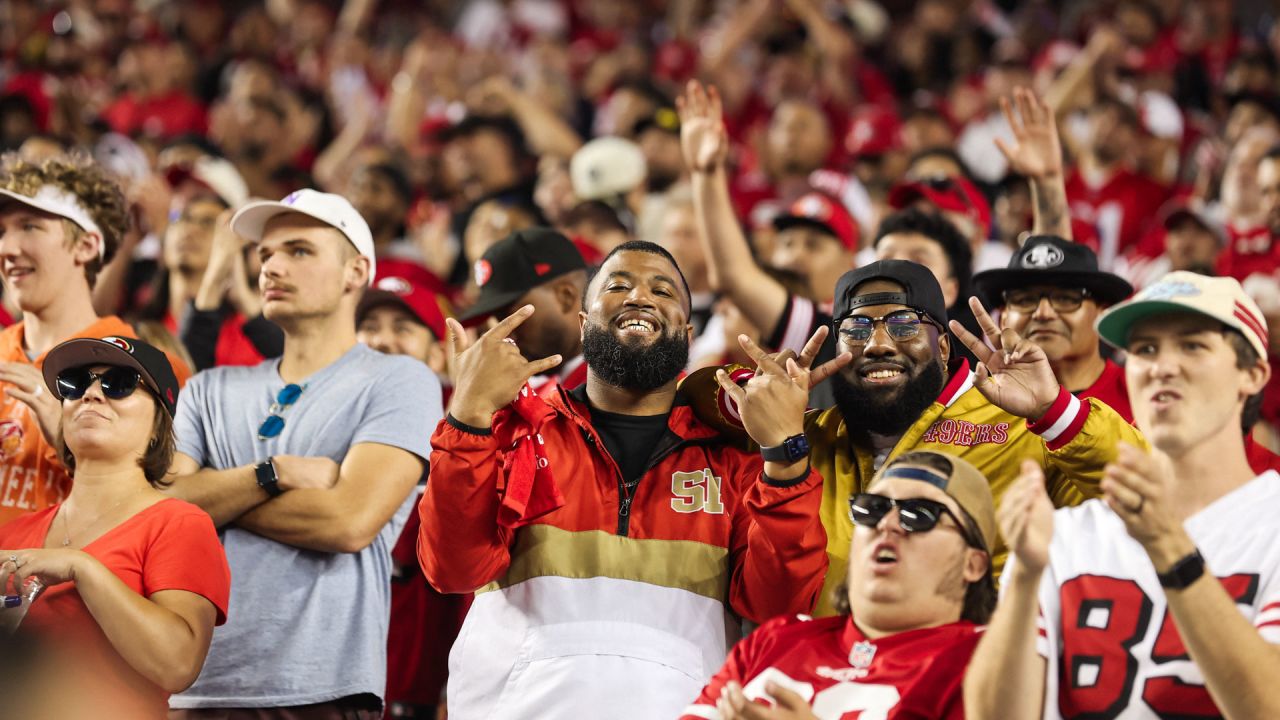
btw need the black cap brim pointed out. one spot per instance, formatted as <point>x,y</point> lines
<point>1106,288</point>
<point>490,304</point>
<point>91,351</point>
<point>782,222</point>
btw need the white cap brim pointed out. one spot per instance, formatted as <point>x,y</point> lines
<point>56,201</point>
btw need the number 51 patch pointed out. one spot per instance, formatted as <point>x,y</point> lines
<point>696,492</point>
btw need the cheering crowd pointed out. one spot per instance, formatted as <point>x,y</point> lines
<point>743,360</point>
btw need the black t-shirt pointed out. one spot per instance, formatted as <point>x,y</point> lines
<point>630,439</point>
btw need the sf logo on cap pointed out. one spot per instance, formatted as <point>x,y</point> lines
<point>395,285</point>
<point>483,271</point>
<point>120,343</point>
<point>1042,256</point>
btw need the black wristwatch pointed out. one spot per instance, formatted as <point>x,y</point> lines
<point>267,478</point>
<point>791,450</point>
<point>1183,573</point>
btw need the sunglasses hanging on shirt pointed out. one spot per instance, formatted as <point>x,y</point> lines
<point>274,424</point>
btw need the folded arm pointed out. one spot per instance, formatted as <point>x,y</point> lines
<point>373,481</point>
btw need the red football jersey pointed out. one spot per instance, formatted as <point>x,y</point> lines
<point>1249,251</point>
<point>912,675</point>
<point>1121,209</point>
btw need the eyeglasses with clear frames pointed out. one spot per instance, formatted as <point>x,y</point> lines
<point>900,324</point>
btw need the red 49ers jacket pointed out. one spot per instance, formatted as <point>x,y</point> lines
<point>617,602</point>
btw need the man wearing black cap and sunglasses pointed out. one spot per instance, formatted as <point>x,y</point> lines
<point>542,268</point>
<point>1052,294</point>
<point>902,392</point>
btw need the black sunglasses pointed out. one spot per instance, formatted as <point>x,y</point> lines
<point>274,424</point>
<point>117,382</point>
<point>914,514</point>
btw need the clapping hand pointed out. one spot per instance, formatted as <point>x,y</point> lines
<point>1026,518</point>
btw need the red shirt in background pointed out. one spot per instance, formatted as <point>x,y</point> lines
<point>171,545</point>
<point>424,624</point>
<point>1120,209</point>
<point>1111,388</point>
<point>170,115</point>
<point>233,348</point>
<point>1249,251</point>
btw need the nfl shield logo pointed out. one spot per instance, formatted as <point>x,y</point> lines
<point>862,654</point>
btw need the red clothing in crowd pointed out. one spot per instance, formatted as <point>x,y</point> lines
<point>170,115</point>
<point>171,545</point>
<point>424,624</point>
<point>233,348</point>
<point>1120,208</point>
<point>1249,251</point>
<point>1110,388</point>
<point>842,673</point>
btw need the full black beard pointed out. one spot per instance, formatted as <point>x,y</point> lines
<point>634,367</point>
<point>870,411</point>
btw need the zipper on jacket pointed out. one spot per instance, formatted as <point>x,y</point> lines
<point>624,498</point>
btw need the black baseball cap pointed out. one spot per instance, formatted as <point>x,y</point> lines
<point>519,263</point>
<point>151,363</point>
<point>920,289</point>
<point>1054,261</point>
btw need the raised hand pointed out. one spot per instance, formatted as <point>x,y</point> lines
<point>489,373</point>
<point>703,138</point>
<point>1016,377</point>
<point>773,401</point>
<point>1035,151</point>
<point>1026,518</point>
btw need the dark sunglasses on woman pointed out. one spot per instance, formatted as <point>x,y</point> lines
<point>117,382</point>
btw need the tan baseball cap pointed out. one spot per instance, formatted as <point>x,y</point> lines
<point>964,483</point>
<point>1220,298</point>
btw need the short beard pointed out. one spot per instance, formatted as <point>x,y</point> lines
<point>870,411</point>
<point>633,367</point>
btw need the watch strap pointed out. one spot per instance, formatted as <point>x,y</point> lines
<point>1184,572</point>
<point>267,479</point>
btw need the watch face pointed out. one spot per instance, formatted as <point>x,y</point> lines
<point>797,447</point>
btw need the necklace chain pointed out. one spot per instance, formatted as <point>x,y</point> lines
<point>66,518</point>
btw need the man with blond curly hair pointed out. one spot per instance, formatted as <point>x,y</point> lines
<point>61,221</point>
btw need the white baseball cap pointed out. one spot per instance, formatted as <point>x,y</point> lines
<point>57,201</point>
<point>328,208</point>
<point>1221,298</point>
<point>606,167</point>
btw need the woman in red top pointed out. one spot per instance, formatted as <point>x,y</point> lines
<point>135,580</point>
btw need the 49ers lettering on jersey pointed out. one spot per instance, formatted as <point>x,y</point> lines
<point>1113,648</point>
<point>845,675</point>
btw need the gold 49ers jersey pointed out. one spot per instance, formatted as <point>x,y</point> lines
<point>916,675</point>
<point>1113,648</point>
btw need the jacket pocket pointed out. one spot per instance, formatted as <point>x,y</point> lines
<point>611,669</point>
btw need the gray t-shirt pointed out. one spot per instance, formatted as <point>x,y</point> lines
<point>303,626</point>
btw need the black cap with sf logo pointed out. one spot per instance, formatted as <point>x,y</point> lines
<point>152,364</point>
<point>519,263</point>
